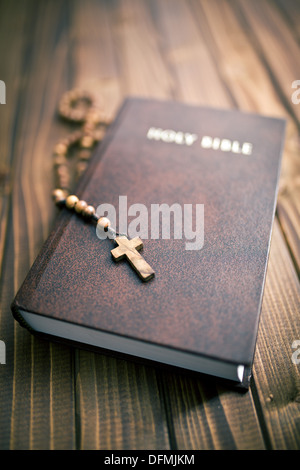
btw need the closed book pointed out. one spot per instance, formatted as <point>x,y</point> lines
<point>199,187</point>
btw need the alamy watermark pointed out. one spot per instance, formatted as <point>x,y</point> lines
<point>2,352</point>
<point>166,222</point>
<point>2,92</point>
<point>296,354</point>
<point>296,94</point>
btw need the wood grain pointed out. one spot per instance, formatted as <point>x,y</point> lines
<point>278,57</point>
<point>217,53</point>
<point>277,378</point>
<point>34,415</point>
<point>119,405</point>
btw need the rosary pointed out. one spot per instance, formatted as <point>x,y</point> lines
<point>93,128</point>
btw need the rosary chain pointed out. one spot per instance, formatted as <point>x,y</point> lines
<point>92,131</point>
<point>94,124</point>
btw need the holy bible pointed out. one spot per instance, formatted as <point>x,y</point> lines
<point>198,186</point>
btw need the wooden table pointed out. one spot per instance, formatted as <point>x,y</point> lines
<point>222,53</point>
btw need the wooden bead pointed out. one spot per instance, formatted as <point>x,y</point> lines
<point>84,154</point>
<point>76,115</point>
<point>58,195</point>
<point>81,167</point>
<point>59,160</point>
<point>88,211</point>
<point>99,134</point>
<point>60,149</point>
<point>62,170</point>
<point>80,206</point>
<point>74,137</point>
<point>87,141</point>
<point>94,116</point>
<point>64,181</point>
<point>64,184</point>
<point>89,127</point>
<point>71,201</point>
<point>103,223</point>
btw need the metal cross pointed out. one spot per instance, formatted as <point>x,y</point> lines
<point>128,249</point>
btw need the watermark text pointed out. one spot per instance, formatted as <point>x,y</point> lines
<point>161,221</point>
<point>2,92</point>
<point>2,352</point>
<point>296,354</point>
<point>296,94</point>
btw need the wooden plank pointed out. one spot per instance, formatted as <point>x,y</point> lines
<point>277,378</point>
<point>195,75</point>
<point>10,71</point>
<point>288,215</point>
<point>276,45</point>
<point>119,405</point>
<point>142,71</point>
<point>35,416</point>
<point>278,48</point>
<point>290,9</point>
<point>95,66</point>
<point>206,415</point>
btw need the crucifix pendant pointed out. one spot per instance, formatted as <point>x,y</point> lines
<point>128,249</point>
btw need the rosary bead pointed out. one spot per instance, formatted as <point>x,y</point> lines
<point>94,116</point>
<point>61,149</point>
<point>76,115</point>
<point>74,137</point>
<point>87,141</point>
<point>64,182</point>
<point>58,195</point>
<point>80,206</point>
<point>84,154</point>
<point>103,223</point>
<point>99,134</point>
<point>62,170</point>
<point>89,127</point>
<point>88,211</point>
<point>80,168</point>
<point>71,201</point>
<point>77,106</point>
<point>59,160</point>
